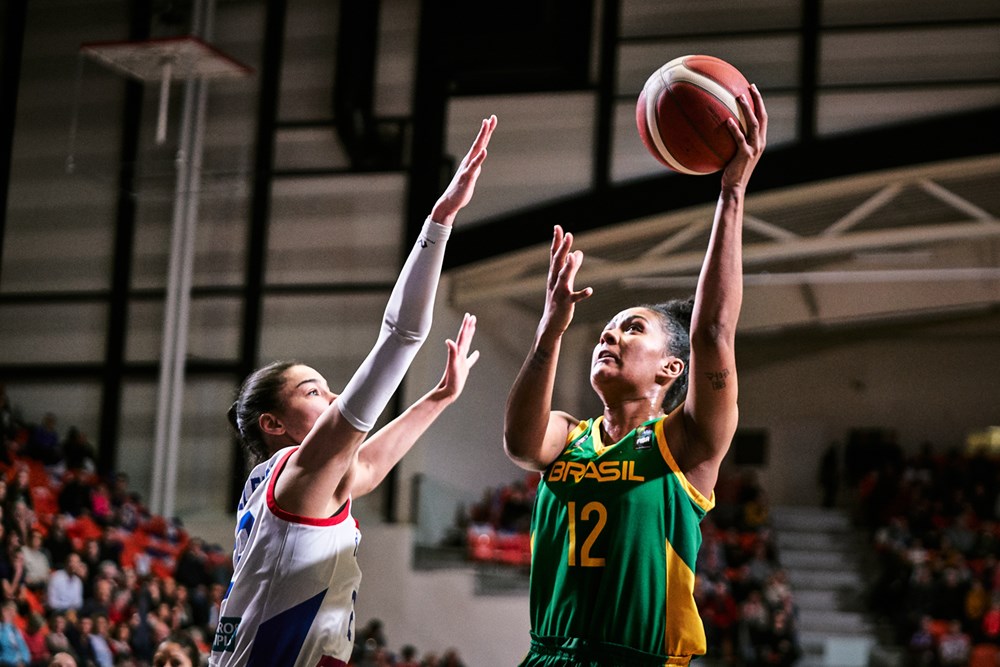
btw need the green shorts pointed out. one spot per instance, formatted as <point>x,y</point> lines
<point>573,652</point>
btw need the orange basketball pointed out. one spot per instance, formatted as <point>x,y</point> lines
<point>682,111</point>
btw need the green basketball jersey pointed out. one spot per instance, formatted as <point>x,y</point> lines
<point>615,534</point>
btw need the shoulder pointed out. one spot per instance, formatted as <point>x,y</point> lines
<point>261,472</point>
<point>572,426</point>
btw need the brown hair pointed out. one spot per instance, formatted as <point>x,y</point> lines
<point>259,393</point>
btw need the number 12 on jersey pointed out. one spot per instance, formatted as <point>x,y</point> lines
<point>596,525</point>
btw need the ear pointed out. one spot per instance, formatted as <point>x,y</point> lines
<point>670,369</point>
<point>270,424</point>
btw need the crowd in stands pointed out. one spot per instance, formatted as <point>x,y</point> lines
<point>88,576</point>
<point>934,522</point>
<point>371,650</point>
<point>742,591</point>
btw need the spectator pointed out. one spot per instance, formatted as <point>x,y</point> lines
<point>63,660</point>
<point>100,504</point>
<point>120,642</point>
<point>10,423</point>
<point>20,519</point>
<point>977,599</point>
<point>408,657</point>
<point>91,557</point>
<point>56,640</point>
<point>74,496</point>
<point>100,602</point>
<point>921,646</point>
<point>720,613</point>
<point>37,564</point>
<point>13,649</point>
<point>12,580</point>
<point>450,658</point>
<point>781,648</point>
<point>97,635</point>
<point>57,541</point>
<point>122,607</point>
<point>949,595</point>
<point>954,646</point>
<point>191,570</point>
<point>755,623</point>
<point>78,453</point>
<point>65,589</point>
<point>84,648</point>
<point>760,567</point>
<point>372,631</point>
<point>34,638</point>
<point>19,489</point>
<point>43,442</point>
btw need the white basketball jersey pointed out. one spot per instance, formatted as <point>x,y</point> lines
<point>295,580</point>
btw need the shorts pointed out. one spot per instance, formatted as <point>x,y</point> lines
<point>574,652</point>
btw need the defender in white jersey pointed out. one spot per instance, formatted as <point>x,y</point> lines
<point>296,576</point>
<point>304,575</point>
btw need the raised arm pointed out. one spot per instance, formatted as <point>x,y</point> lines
<point>710,410</point>
<point>385,448</point>
<point>534,435</point>
<point>310,484</point>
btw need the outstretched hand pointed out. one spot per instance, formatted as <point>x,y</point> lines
<point>749,146</point>
<point>463,183</point>
<point>560,296</point>
<point>460,360</point>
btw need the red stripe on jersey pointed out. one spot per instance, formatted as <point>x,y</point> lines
<point>328,661</point>
<point>272,503</point>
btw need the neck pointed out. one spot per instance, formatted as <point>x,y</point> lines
<point>622,417</point>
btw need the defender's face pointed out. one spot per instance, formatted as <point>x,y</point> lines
<point>305,397</point>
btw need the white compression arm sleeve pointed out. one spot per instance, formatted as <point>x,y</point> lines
<point>405,326</point>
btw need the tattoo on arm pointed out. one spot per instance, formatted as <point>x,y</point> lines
<point>540,359</point>
<point>718,378</point>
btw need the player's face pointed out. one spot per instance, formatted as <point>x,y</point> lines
<point>305,397</point>
<point>630,350</point>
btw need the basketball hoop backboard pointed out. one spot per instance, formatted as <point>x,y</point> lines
<point>188,57</point>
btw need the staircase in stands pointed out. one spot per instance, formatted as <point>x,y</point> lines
<point>823,555</point>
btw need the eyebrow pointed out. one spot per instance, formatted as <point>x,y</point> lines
<point>630,318</point>
<point>307,381</point>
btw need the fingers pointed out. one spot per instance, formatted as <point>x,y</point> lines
<point>463,341</point>
<point>465,332</point>
<point>567,276</point>
<point>477,151</point>
<point>759,109</point>
<point>459,359</point>
<point>561,243</point>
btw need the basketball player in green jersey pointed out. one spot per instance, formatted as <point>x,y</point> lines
<point>615,528</point>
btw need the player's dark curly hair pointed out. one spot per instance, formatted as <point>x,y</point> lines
<point>259,393</point>
<point>675,318</point>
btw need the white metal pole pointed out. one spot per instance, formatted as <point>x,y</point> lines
<point>192,200</point>
<point>171,332</point>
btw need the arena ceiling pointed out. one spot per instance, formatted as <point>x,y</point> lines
<point>877,205</point>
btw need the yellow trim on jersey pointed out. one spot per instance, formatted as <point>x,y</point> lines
<point>695,495</point>
<point>576,433</point>
<point>684,634</point>
<point>595,437</point>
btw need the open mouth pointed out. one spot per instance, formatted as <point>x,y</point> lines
<point>606,355</point>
